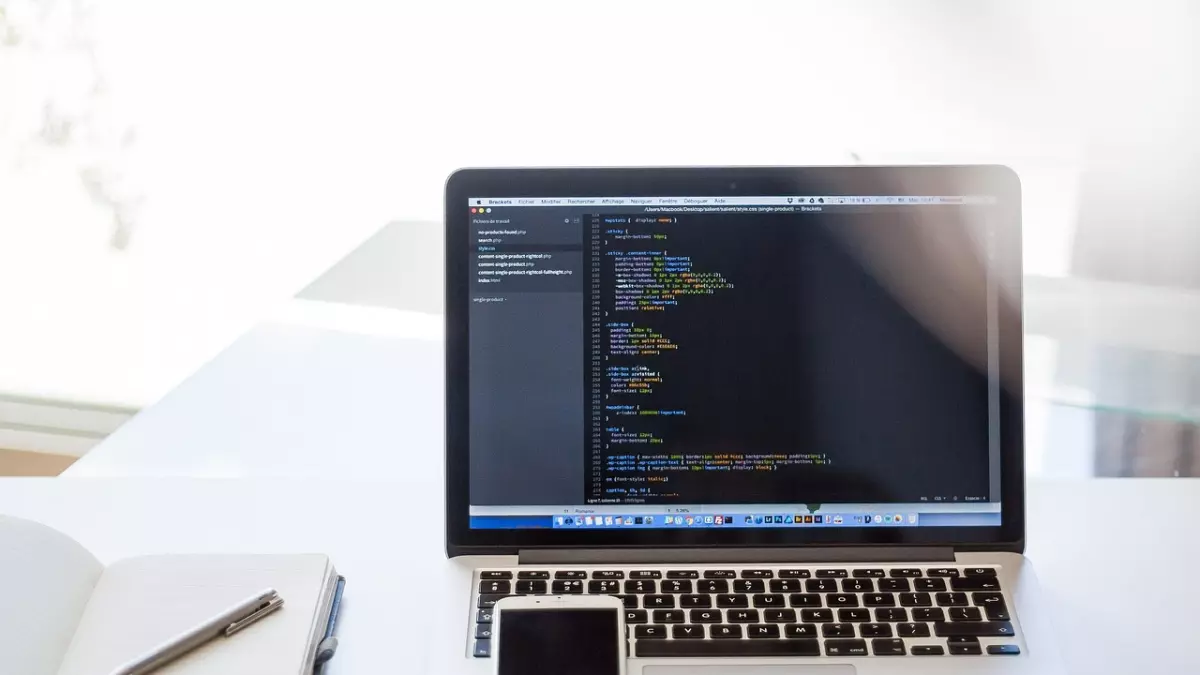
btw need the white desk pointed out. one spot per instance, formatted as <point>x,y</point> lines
<point>1115,557</point>
<point>294,398</point>
<point>297,402</point>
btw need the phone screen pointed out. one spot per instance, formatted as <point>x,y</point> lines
<point>559,641</point>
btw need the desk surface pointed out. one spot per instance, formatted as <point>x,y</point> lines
<point>1115,557</point>
<point>363,413</point>
<point>292,401</point>
<point>328,390</point>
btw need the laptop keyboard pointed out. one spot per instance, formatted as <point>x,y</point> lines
<point>779,611</point>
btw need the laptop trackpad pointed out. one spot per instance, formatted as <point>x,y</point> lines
<point>773,669</point>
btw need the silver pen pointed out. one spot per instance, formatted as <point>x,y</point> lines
<point>224,624</point>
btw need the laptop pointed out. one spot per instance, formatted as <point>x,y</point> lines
<point>776,411</point>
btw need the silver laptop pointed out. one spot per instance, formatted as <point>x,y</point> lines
<point>776,411</point>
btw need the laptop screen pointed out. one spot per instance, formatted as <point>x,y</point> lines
<point>777,361</point>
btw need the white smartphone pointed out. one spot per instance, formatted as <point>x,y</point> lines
<point>561,634</point>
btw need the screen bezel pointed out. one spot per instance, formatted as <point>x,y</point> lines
<point>995,180</point>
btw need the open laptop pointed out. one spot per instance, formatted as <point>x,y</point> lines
<point>778,411</point>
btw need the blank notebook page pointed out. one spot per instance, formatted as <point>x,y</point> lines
<point>140,603</point>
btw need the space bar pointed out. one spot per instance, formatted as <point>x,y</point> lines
<point>727,648</point>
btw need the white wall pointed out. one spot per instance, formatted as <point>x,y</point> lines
<point>272,137</point>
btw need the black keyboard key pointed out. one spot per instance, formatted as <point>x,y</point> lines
<point>879,600</point>
<point>689,632</point>
<point>769,600</point>
<point>841,600</point>
<point>987,600</point>
<point>749,586</point>
<point>725,632</point>
<point>915,600</point>
<point>892,615</point>
<point>928,650</point>
<point>868,574</point>
<point>854,615</point>
<point>886,647</point>
<point>566,586</point>
<point>728,648</point>
<point>692,601</point>
<point>762,631</point>
<point>951,599</point>
<point>635,616</point>
<point>894,585</point>
<point>483,649</point>
<point>658,601</point>
<point>495,575</point>
<point>912,630</point>
<point>991,584</point>
<point>531,587</point>
<point>650,632</point>
<point>965,649</point>
<point>630,601</point>
<point>758,574</point>
<point>533,575</point>
<point>820,585</point>
<point>742,616</point>
<point>794,574</point>
<point>720,574</point>
<point>876,630</point>
<point>608,574</point>
<point>997,613</point>
<point>683,574</point>
<point>942,572</point>
<point>779,615</point>
<point>570,574</point>
<point>705,616</point>
<point>973,629</point>
<point>483,615</point>
<point>804,600</point>
<point>845,647</point>
<point>1004,650</point>
<point>712,586</point>
<point>858,585</point>
<point>677,586</point>
<point>980,571</point>
<point>800,630</point>
<point>816,615</point>
<point>933,584</point>
<point>837,630</point>
<point>732,600</point>
<point>905,572</point>
<point>785,585</point>
<point>668,616</point>
<point>965,614</point>
<point>604,586</point>
<point>489,600</point>
<point>832,574</point>
<point>928,614</point>
<point>645,574</point>
<point>641,586</point>
<point>502,587</point>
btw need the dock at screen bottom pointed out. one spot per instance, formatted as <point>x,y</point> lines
<point>559,641</point>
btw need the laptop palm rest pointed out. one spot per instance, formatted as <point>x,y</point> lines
<point>731,669</point>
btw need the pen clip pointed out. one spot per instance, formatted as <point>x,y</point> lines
<point>274,603</point>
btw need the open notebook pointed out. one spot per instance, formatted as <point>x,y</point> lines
<point>63,613</point>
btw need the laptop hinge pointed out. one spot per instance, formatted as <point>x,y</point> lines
<point>693,556</point>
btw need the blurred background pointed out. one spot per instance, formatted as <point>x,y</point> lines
<point>172,174</point>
